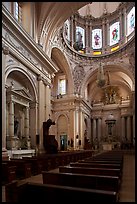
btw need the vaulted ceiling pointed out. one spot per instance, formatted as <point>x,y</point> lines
<point>51,15</point>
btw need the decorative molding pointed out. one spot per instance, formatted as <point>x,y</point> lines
<point>5,49</point>
<point>78,76</point>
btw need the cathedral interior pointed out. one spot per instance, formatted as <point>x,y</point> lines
<point>68,102</point>
<point>71,64</point>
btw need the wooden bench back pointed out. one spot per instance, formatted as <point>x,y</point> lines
<point>93,171</point>
<point>82,181</point>
<point>47,193</point>
<point>95,165</point>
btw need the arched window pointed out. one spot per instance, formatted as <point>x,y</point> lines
<point>61,85</point>
<point>79,44</point>
<point>97,39</point>
<point>131,21</point>
<point>114,33</point>
<point>67,30</point>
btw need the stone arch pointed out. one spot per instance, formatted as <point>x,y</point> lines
<point>23,84</point>
<point>24,72</point>
<point>60,59</point>
<point>124,77</point>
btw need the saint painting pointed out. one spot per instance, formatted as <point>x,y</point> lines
<point>114,33</point>
<point>131,21</point>
<point>97,39</point>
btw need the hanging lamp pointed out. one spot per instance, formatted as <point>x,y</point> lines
<point>100,77</point>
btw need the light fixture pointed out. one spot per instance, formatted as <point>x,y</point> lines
<point>100,77</point>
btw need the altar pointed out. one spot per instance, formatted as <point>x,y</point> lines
<point>18,154</point>
<point>107,146</point>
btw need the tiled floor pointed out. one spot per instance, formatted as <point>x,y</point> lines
<point>127,192</point>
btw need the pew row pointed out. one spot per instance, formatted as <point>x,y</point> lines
<point>95,165</point>
<point>23,169</point>
<point>8,173</point>
<point>93,171</point>
<point>46,193</point>
<point>111,183</point>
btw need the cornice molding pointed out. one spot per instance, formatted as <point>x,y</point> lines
<point>12,26</point>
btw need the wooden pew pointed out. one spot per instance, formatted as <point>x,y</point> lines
<point>8,173</point>
<point>36,165</point>
<point>95,165</point>
<point>23,169</point>
<point>100,182</point>
<point>46,193</point>
<point>102,162</point>
<point>93,171</point>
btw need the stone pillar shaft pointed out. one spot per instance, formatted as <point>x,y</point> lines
<point>129,128</point>
<point>27,122</point>
<point>94,129</point>
<point>4,54</point>
<point>99,128</point>
<point>123,127</point>
<point>11,119</point>
<point>125,23</point>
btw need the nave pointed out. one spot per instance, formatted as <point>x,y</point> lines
<point>127,188</point>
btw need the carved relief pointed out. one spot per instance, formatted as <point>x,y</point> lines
<point>132,61</point>
<point>21,49</point>
<point>78,76</point>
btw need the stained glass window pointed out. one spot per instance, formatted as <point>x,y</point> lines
<point>114,33</point>
<point>131,21</point>
<point>80,35</point>
<point>97,39</point>
<point>67,30</point>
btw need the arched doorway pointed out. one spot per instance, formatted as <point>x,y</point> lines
<point>62,132</point>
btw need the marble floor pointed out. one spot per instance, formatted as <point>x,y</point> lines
<point>127,191</point>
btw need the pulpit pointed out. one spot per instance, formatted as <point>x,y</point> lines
<point>49,142</point>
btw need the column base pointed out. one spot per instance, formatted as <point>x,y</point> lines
<point>5,155</point>
<point>13,143</point>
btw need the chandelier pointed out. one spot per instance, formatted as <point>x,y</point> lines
<point>100,77</point>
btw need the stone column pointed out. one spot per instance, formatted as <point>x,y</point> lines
<point>80,128</point>
<point>103,36</point>
<point>122,127</point>
<point>129,128</point>
<point>133,129</point>
<point>11,124</point>
<point>87,38</point>
<point>99,129</point>
<point>125,25</point>
<point>107,36</point>
<point>27,126</point>
<point>7,119</point>
<point>94,129</point>
<point>72,31</point>
<point>5,52</point>
<point>121,26</point>
<point>33,123</point>
<point>27,122</point>
<point>90,39</point>
<point>41,109</point>
<point>47,101</point>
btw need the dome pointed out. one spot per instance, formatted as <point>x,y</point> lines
<point>97,9</point>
